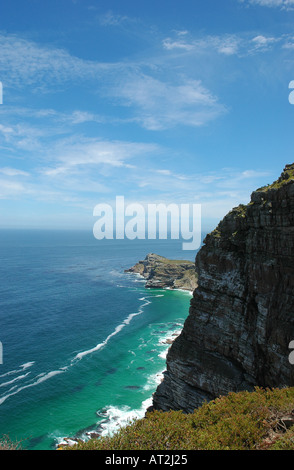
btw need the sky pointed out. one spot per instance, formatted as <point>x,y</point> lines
<point>173,102</point>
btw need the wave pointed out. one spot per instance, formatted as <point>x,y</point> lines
<point>113,419</point>
<point>20,369</point>
<point>163,354</point>
<point>153,381</point>
<point>20,377</point>
<point>47,375</point>
<point>115,332</point>
<point>42,378</point>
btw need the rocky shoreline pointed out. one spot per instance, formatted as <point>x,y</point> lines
<point>164,273</point>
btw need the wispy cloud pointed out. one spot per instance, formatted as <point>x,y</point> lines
<point>153,101</point>
<point>13,172</point>
<point>283,4</point>
<point>160,105</point>
<point>80,152</point>
<point>25,63</point>
<point>111,19</point>
<point>11,189</point>
<point>263,42</point>
<point>75,171</point>
<point>171,44</point>
<point>225,45</point>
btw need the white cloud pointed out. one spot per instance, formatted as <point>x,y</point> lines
<point>74,168</point>
<point>289,45</point>
<point>283,4</point>
<point>163,172</point>
<point>13,172</point>
<point>11,189</point>
<point>169,44</point>
<point>6,131</point>
<point>262,43</point>
<point>161,105</point>
<point>111,19</point>
<point>72,155</point>
<point>22,136</point>
<point>25,63</point>
<point>225,44</point>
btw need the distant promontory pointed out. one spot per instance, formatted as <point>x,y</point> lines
<point>161,272</point>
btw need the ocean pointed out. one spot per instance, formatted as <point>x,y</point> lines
<point>84,344</point>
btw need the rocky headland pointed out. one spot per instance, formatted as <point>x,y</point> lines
<point>241,317</point>
<point>161,272</point>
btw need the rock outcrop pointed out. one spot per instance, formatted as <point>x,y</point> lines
<point>161,272</point>
<point>241,317</point>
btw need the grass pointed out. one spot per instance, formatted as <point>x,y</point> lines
<point>286,177</point>
<point>162,259</point>
<point>239,421</point>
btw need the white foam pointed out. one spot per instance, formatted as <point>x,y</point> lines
<point>152,381</point>
<point>115,332</point>
<point>42,378</point>
<point>117,417</point>
<point>163,354</point>
<point>20,377</point>
<point>185,291</point>
<point>20,369</point>
<point>170,336</point>
<point>27,364</point>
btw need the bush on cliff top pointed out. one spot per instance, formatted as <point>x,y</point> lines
<point>239,421</point>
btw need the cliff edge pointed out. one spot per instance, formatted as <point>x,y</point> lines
<point>241,316</point>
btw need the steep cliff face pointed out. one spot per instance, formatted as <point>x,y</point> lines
<point>241,316</point>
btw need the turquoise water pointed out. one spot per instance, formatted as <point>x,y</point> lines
<point>83,342</point>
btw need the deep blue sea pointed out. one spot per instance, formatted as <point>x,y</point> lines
<point>84,344</point>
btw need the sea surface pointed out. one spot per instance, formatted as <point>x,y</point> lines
<point>84,344</point>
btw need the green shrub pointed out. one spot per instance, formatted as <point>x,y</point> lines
<point>238,421</point>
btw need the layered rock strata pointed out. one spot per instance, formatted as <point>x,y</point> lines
<point>161,272</point>
<point>241,317</point>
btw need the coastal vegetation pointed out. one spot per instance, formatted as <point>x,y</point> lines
<point>286,177</point>
<point>259,420</point>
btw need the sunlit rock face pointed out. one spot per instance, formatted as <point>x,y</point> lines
<point>241,318</point>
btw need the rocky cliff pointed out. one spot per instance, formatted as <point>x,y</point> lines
<point>241,317</point>
<point>161,272</point>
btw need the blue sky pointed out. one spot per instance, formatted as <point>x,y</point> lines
<point>157,101</point>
